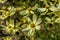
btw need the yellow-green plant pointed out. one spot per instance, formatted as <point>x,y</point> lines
<point>11,27</point>
<point>30,19</point>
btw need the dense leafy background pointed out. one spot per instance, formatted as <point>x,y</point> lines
<point>16,12</point>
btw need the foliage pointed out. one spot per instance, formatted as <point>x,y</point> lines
<point>30,19</point>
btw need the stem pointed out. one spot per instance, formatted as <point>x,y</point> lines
<point>32,38</point>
